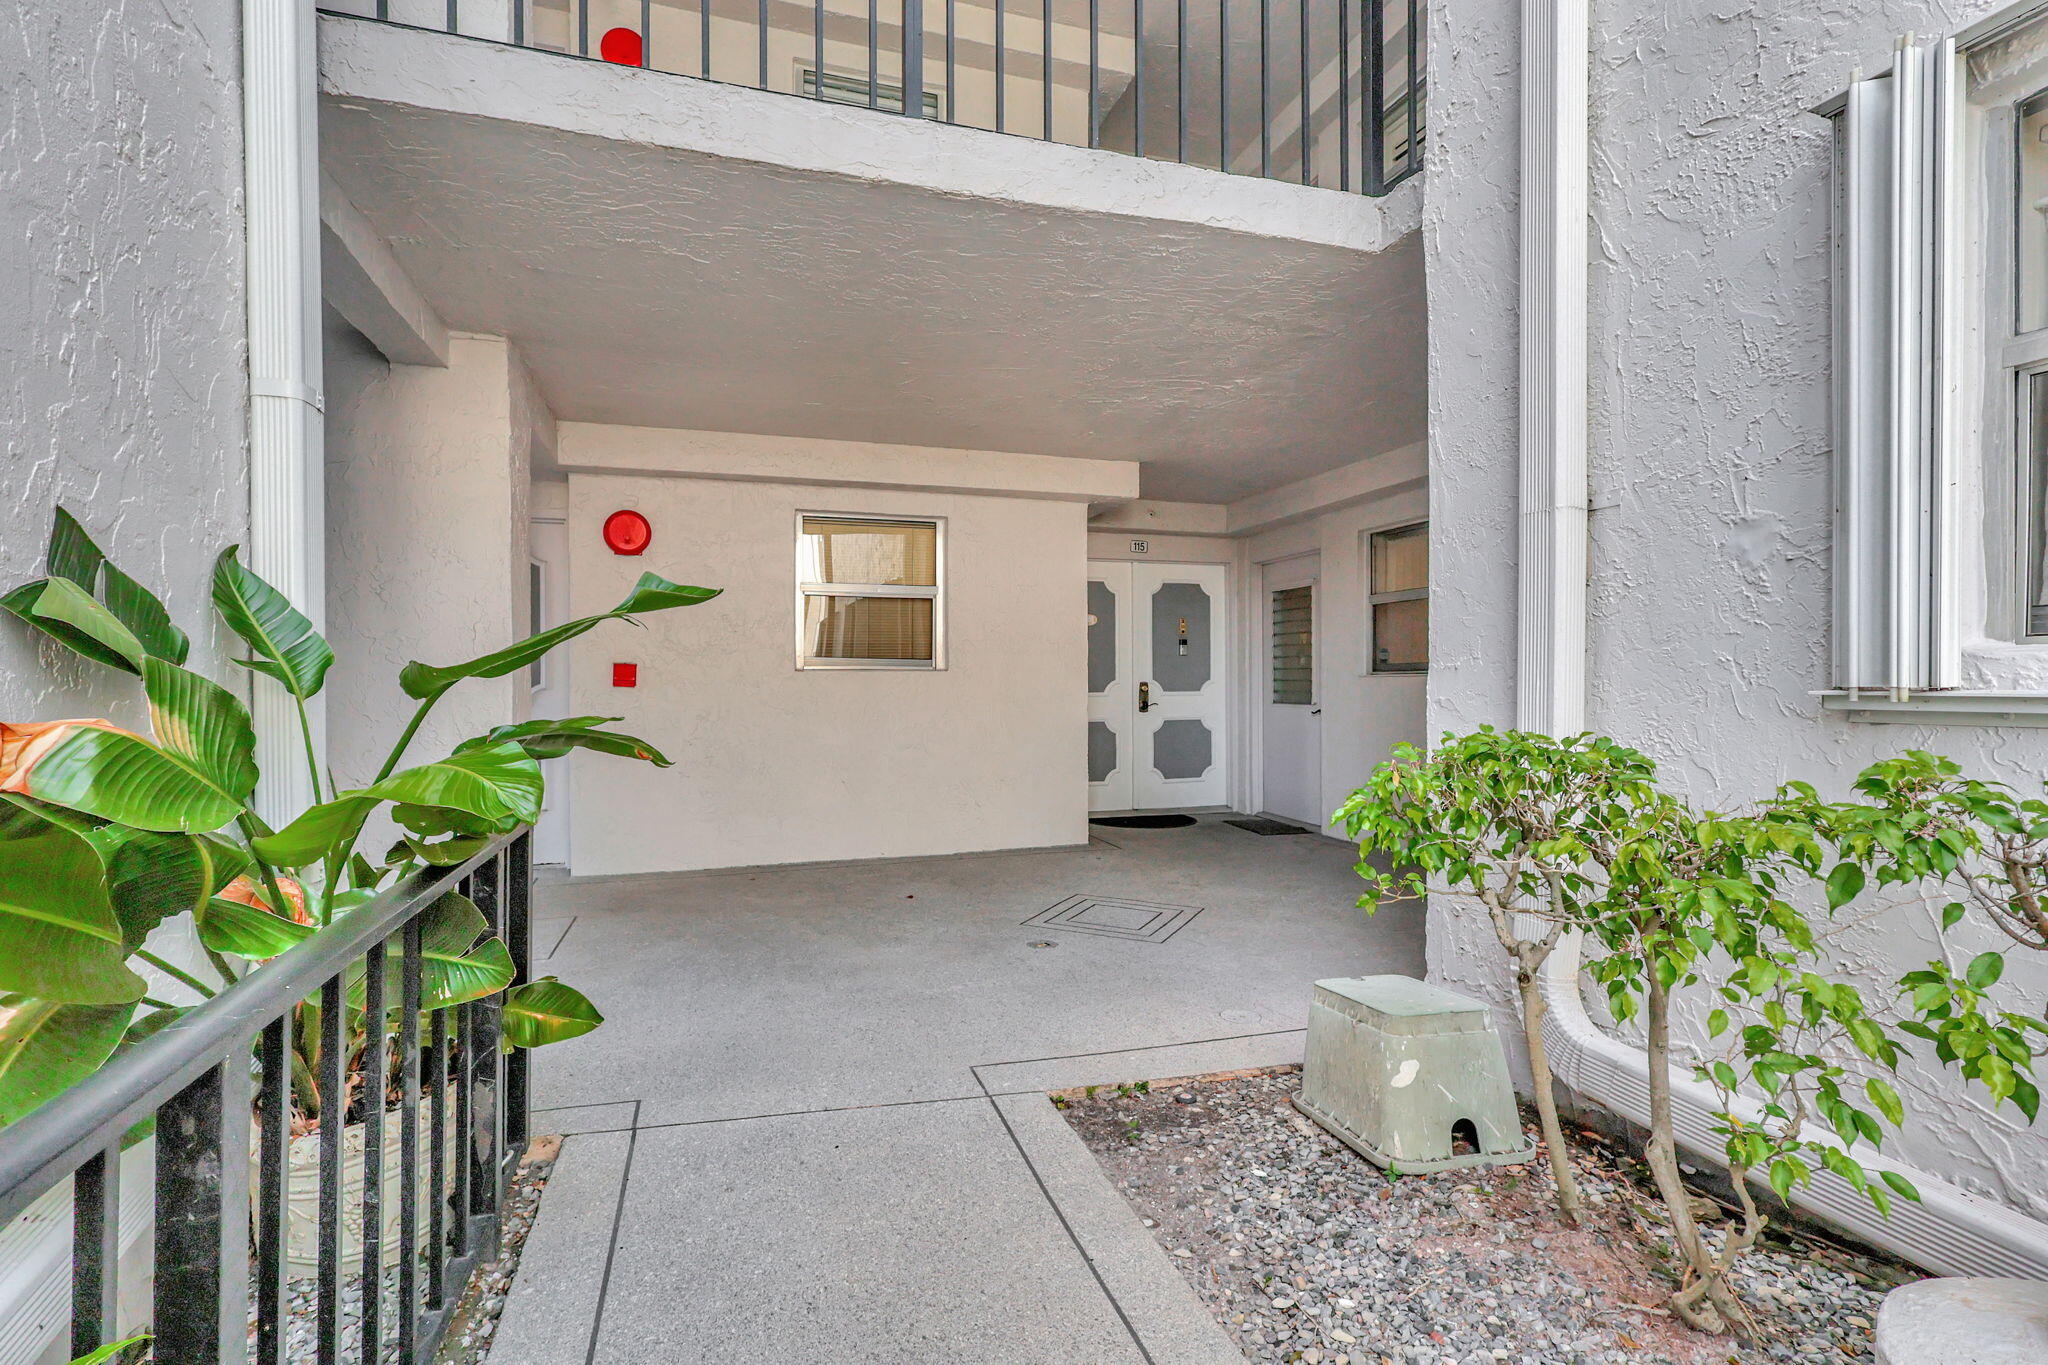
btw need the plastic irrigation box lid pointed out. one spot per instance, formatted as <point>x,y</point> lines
<point>1403,1005</point>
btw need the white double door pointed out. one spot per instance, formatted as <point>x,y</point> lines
<point>1155,686</point>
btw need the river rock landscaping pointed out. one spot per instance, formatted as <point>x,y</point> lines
<point>1307,1252</point>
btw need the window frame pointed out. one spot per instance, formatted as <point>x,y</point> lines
<point>936,594</point>
<point>2000,458</point>
<point>1374,599</point>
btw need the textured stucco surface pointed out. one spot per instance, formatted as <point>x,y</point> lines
<point>428,484</point>
<point>670,253</point>
<point>122,371</point>
<point>1710,446</point>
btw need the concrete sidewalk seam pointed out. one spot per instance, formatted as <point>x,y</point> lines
<point>611,1251</point>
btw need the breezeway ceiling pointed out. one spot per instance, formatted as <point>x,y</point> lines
<point>657,287</point>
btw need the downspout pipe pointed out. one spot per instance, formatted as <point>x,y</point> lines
<point>1948,1230</point>
<point>287,505</point>
<point>1550,677</point>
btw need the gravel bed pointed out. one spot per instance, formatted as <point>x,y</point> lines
<point>468,1340</point>
<point>1307,1252</point>
<point>476,1318</point>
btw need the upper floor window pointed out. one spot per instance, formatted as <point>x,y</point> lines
<point>870,591</point>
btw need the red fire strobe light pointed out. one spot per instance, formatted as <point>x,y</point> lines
<point>625,675</point>
<point>626,532</point>
<point>621,45</point>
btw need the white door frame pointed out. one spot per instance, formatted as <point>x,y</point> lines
<point>548,546</point>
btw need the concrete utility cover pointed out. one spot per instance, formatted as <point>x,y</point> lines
<point>1964,1321</point>
<point>1116,917</point>
<point>654,285</point>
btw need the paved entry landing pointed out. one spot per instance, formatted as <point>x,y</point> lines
<point>813,1126</point>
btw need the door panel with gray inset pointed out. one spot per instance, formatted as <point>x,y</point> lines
<point>1102,636</point>
<point>1112,699</point>
<point>1182,749</point>
<point>1179,755</point>
<point>1182,657</point>
<point>1101,751</point>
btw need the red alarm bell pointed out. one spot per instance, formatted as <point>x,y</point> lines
<point>622,46</point>
<point>627,532</point>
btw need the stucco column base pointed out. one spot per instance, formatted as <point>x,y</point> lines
<point>1964,1321</point>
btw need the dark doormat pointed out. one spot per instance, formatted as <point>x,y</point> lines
<point>1145,821</point>
<point>1258,824</point>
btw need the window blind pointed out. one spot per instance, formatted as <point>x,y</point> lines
<point>1294,653</point>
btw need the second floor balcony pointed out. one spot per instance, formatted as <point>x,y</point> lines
<point>1327,93</point>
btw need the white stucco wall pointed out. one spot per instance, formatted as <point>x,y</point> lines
<point>1364,714</point>
<point>776,764</point>
<point>428,482</point>
<point>1710,444</point>
<point>122,371</point>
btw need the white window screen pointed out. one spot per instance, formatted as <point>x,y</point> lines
<point>869,592</point>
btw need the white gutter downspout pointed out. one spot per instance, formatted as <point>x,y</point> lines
<point>287,504</point>
<point>1949,1230</point>
<point>1550,677</point>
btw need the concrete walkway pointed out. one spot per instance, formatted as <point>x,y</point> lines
<point>813,1128</point>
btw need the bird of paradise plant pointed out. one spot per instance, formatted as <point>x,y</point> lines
<point>105,833</point>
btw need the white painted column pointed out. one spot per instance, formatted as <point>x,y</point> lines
<point>1550,681</point>
<point>287,519</point>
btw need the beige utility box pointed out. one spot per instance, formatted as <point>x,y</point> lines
<point>1402,1070</point>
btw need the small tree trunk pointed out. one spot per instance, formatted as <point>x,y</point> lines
<point>1661,1153</point>
<point>1569,1203</point>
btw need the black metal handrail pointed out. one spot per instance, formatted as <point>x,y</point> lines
<point>1325,92</point>
<point>221,1075</point>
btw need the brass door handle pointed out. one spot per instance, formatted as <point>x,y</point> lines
<point>1144,696</point>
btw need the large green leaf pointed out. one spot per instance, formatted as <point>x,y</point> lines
<point>139,610</point>
<point>70,615</point>
<point>46,1048</point>
<point>553,738</point>
<point>287,647</point>
<point>454,966</point>
<point>125,1352</point>
<point>202,723</point>
<point>318,831</point>
<point>651,593</point>
<point>130,781</point>
<point>499,783</point>
<point>152,877</point>
<point>71,553</point>
<point>246,931</point>
<point>94,608</point>
<point>500,786</point>
<point>59,937</point>
<point>547,1011</point>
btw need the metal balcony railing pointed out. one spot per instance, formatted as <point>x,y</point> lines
<point>216,1086</point>
<point>1325,92</point>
